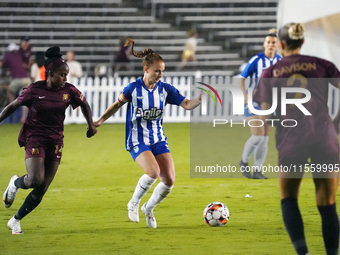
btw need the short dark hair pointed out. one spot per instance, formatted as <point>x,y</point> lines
<point>25,38</point>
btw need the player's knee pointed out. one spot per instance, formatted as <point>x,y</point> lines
<point>256,139</point>
<point>34,181</point>
<point>168,180</point>
<point>153,173</point>
<point>325,200</point>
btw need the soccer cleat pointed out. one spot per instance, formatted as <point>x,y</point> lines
<point>14,225</point>
<point>259,175</point>
<point>150,218</point>
<point>245,169</point>
<point>133,211</point>
<point>10,192</point>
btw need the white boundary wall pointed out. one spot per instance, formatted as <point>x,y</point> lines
<point>322,24</point>
<point>101,93</point>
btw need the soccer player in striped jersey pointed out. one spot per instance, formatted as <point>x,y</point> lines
<point>145,138</point>
<point>257,144</point>
<point>314,137</point>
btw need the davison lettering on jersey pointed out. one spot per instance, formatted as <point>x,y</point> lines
<point>294,68</point>
<point>151,114</point>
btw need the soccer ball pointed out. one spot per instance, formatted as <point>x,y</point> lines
<point>216,214</point>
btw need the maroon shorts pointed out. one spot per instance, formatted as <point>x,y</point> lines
<point>49,150</point>
<point>324,158</point>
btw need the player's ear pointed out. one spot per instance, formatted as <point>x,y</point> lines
<point>282,45</point>
<point>145,68</point>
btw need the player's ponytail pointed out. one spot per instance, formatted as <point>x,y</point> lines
<point>54,60</point>
<point>52,54</point>
<point>296,32</point>
<point>138,54</point>
<point>149,54</point>
<point>293,35</point>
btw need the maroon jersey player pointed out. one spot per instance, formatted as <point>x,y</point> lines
<point>313,136</point>
<point>42,132</point>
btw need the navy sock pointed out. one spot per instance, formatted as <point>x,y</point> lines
<point>28,206</point>
<point>330,228</point>
<point>19,183</point>
<point>294,224</point>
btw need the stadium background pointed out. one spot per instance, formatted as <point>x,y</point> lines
<point>84,210</point>
<point>229,33</point>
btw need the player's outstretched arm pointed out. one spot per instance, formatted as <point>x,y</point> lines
<point>192,104</point>
<point>91,129</point>
<point>9,109</point>
<point>108,113</point>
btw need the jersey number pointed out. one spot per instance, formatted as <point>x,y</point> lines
<point>303,84</point>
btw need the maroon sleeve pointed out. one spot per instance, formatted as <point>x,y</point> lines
<point>77,98</point>
<point>25,98</point>
<point>5,60</point>
<point>333,73</point>
<point>264,90</point>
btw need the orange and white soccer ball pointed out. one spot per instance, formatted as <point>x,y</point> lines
<point>216,214</point>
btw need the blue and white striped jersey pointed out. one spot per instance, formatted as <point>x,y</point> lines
<point>256,65</point>
<point>144,115</point>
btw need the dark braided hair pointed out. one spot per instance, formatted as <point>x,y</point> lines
<point>149,54</point>
<point>52,54</point>
<point>54,60</point>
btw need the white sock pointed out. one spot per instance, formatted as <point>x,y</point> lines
<point>143,185</point>
<point>159,194</point>
<point>261,153</point>
<point>249,147</point>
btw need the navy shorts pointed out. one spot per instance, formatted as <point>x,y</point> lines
<point>324,158</point>
<point>156,149</point>
<point>48,150</point>
<point>247,112</point>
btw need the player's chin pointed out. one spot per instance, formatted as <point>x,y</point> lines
<point>62,84</point>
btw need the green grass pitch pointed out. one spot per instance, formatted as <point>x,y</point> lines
<point>84,211</point>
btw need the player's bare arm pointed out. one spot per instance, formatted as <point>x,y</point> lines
<point>91,129</point>
<point>191,104</point>
<point>108,113</point>
<point>8,110</point>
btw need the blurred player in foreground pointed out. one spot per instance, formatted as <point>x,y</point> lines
<point>145,139</point>
<point>314,137</point>
<point>257,143</point>
<point>42,132</point>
